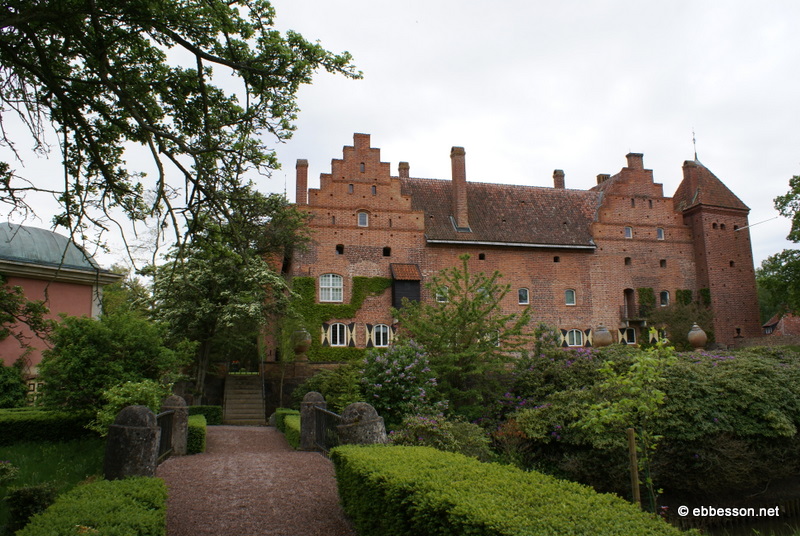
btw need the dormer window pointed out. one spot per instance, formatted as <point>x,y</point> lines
<point>363,219</point>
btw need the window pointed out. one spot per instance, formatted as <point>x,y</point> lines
<point>380,335</point>
<point>628,336</point>
<point>374,190</point>
<point>481,256</point>
<point>628,232</point>
<point>732,264</point>
<point>330,288</point>
<point>362,167</point>
<point>627,261</point>
<point>650,203</point>
<point>363,219</point>
<point>522,295</point>
<point>338,335</point>
<point>574,337</point>
<point>441,294</point>
<point>387,251</point>
<point>633,202</point>
<point>663,263</point>
<point>713,225</point>
<point>660,233</point>
<point>663,298</point>
<point>340,249</point>
<point>349,188</point>
<point>556,259</point>
<point>569,296</point>
<point>722,226</point>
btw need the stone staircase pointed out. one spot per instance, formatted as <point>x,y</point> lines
<point>243,404</point>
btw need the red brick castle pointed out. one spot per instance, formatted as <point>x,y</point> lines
<point>578,257</point>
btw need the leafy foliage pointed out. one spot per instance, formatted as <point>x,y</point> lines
<point>196,438</point>
<point>449,435</point>
<point>677,320</point>
<point>778,280</point>
<point>145,393</point>
<point>16,309</point>
<point>340,386</point>
<point>13,390</point>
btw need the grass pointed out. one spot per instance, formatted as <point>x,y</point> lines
<point>63,464</point>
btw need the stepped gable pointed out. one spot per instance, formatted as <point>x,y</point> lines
<point>701,187</point>
<point>504,214</point>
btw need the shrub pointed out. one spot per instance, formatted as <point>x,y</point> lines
<point>292,430</point>
<point>8,472</point>
<point>30,424</point>
<point>339,386</point>
<point>213,414</point>
<point>130,507</point>
<point>25,501</point>
<point>440,433</point>
<point>196,440</point>
<point>13,391</point>
<point>145,392</point>
<point>280,416</point>
<point>417,490</point>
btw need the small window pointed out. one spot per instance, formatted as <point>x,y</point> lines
<point>390,222</point>
<point>522,296</point>
<point>363,219</point>
<point>633,202</point>
<point>481,256</point>
<point>556,259</point>
<point>732,264</point>
<point>338,335</point>
<point>722,226</point>
<point>333,220</point>
<point>387,251</point>
<point>340,249</point>
<point>663,298</point>
<point>330,288</point>
<point>735,227</point>
<point>663,263</point>
<point>574,337</point>
<point>650,203</point>
<point>374,190</point>
<point>628,232</point>
<point>628,336</point>
<point>627,261</point>
<point>660,233</point>
<point>349,188</point>
<point>569,296</point>
<point>713,225</point>
<point>441,294</point>
<point>362,167</point>
<point>380,335</point>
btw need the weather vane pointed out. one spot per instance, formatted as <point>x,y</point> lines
<point>694,143</point>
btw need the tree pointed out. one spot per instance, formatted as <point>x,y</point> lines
<point>15,309</point>
<point>109,75</point>
<point>126,295</point>
<point>13,390</point>
<point>468,337</point>
<point>778,280</point>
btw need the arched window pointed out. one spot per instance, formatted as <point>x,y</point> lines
<point>374,190</point>
<point>522,296</point>
<point>337,334</point>
<point>569,296</point>
<point>380,335</point>
<point>363,219</point>
<point>663,298</point>
<point>574,337</point>
<point>331,288</point>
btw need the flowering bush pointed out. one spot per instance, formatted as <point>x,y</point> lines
<point>399,381</point>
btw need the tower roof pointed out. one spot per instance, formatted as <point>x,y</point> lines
<point>701,187</point>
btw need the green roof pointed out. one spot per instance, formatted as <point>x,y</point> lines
<point>21,243</point>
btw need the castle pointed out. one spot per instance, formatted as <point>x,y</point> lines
<point>579,258</point>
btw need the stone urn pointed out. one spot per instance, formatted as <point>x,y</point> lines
<point>602,337</point>
<point>697,337</point>
<point>302,342</point>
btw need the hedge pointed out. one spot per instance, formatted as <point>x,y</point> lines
<point>395,490</point>
<point>32,424</point>
<point>196,439</point>
<point>292,430</point>
<point>213,414</point>
<point>131,507</point>
<point>280,415</point>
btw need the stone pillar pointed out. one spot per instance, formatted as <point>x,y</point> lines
<point>132,444</point>
<point>361,425</point>
<point>180,423</point>
<point>308,422</point>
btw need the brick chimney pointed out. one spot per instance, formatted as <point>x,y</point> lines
<point>558,179</point>
<point>403,169</point>
<point>635,160</point>
<point>458,163</point>
<point>603,177</point>
<point>301,183</point>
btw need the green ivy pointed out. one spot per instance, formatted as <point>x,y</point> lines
<point>314,314</point>
<point>647,298</point>
<point>683,297</point>
<point>705,297</point>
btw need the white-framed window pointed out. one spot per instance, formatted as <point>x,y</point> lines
<point>522,296</point>
<point>331,288</point>
<point>628,336</point>
<point>660,233</point>
<point>363,219</point>
<point>628,232</point>
<point>337,334</point>
<point>574,337</point>
<point>381,335</point>
<point>663,298</point>
<point>569,296</point>
<point>441,294</point>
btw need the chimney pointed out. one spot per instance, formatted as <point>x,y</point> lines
<point>635,160</point>
<point>459,168</point>
<point>403,168</point>
<point>603,177</point>
<point>558,179</point>
<point>301,195</point>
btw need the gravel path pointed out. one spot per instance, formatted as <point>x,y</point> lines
<point>250,482</point>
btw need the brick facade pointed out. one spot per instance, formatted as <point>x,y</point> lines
<point>603,243</point>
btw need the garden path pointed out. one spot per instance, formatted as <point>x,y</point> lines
<point>250,482</point>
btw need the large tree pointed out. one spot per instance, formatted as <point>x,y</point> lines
<point>778,277</point>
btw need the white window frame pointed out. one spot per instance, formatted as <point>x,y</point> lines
<point>523,299</point>
<point>442,293</point>
<point>381,335</point>
<point>661,298</point>
<point>363,219</point>
<point>331,288</point>
<point>660,233</point>
<point>632,333</point>
<point>574,299</point>
<point>574,338</point>
<point>337,334</point>
<point>628,232</point>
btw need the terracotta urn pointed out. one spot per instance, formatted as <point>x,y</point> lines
<point>602,337</point>
<point>697,337</point>
<point>302,342</point>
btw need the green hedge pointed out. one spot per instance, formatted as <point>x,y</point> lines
<point>213,414</point>
<point>31,424</point>
<point>280,415</point>
<point>196,439</point>
<point>393,490</point>
<point>130,507</point>
<point>292,430</point>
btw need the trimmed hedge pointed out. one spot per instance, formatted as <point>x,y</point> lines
<point>213,414</point>
<point>131,507</point>
<point>394,490</point>
<point>280,415</point>
<point>292,430</point>
<point>32,424</point>
<point>196,439</point>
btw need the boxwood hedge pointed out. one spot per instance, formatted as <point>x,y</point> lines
<point>32,424</point>
<point>292,430</point>
<point>130,507</point>
<point>280,415</point>
<point>196,439</point>
<point>213,414</point>
<point>394,490</point>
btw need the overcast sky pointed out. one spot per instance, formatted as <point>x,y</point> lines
<point>527,87</point>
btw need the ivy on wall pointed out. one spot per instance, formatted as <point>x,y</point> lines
<point>647,298</point>
<point>683,297</point>
<point>313,314</point>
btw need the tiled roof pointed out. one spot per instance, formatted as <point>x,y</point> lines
<point>506,214</point>
<point>701,187</point>
<point>405,272</point>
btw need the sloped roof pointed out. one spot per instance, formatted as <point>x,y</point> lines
<point>701,187</point>
<point>22,243</point>
<point>505,214</point>
<point>405,272</point>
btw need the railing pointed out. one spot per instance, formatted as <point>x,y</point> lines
<point>164,421</point>
<point>326,435</point>
<point>635,312</point>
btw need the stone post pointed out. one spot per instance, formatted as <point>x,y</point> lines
<point>180,423</point>
<point>132,444</point>
<point>308,422</point>
<point>361,425</point>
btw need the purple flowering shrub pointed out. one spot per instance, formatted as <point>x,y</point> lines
<point>399,381</point>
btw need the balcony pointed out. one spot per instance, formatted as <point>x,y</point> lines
<point>634,313</point>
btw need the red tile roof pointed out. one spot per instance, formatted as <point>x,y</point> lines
<point>701,187</point>
<point>405,272</point>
